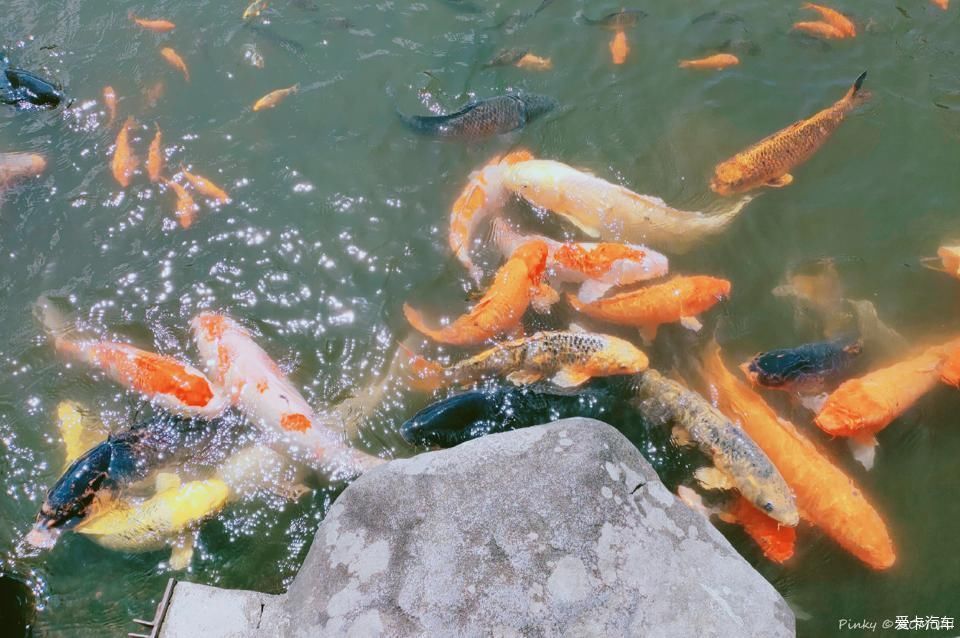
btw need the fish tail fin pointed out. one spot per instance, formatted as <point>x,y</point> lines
<point>725,217</point>
<point>295,88</point>
<point>855,95</point>
<point>501,234</point>
<point>415,318</point>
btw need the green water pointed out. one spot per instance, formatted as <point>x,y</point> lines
<point>339,215</point>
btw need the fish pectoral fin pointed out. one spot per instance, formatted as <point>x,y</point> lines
<point>576,327</point>
<point>593,289</point>
<point>814,402</point>
<point>542,298</point>
<point>933,263</point>
<point>691,323</point>
<point>779,182</point>
<point>680,437</point>
<point>569,378</point>
<point>713,479</point>
<point>648,334</point>
<point>166,481</point>
<point>589,231</point>
<point>864,449</point>
<point>182,554</point>
<point>523,377</point>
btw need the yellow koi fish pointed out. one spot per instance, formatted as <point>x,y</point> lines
<point>273,98</point>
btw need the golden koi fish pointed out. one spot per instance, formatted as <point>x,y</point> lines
<point>274,98</point>
<point>835,19</point>
<point>173,59</point>
<point>124,161</point>
<point>769,161</point>
<point>611,212</point>
<point>187,209</point>
<point>157,26</point>
<point>205,187</point>
<point>716,62</point>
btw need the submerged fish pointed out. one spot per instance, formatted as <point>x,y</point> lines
<point>598,267</point>
<point>469,415</point>
<point>501,309</point>
<point>483,196</point>
<point>567,359</point>
<point>110,101</point>
<point>949,257</point>
<point>254,382</point>
<point>507,57</point>
<point>611,212</point>
<point>24,89</point>
<point>173,59</point>
<point>738,461</point>
<point>17,166</point>
<point>618,20</point>
<point>205,187</point>
<point>718,61</point>
<point>483,118</point>
<point>534,63</point>
<point>834,18</point>
<point>155,159</point>
<point>807,369</point>
<point>769,161</point>
<point>157,26</point>
<point>274,98</point>
<point>254,9</point>
<point>942,4</point>
<point>619,48</point>
<point>825,495</point>
<point>819,29</point>
<point>124,161</point>
<point>680,299</point>
<point>186,210</point>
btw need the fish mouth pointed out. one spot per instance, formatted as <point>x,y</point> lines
<point>42,537</point>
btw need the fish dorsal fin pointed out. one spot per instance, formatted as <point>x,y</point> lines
<point>167,481</point>
<point>78,434</point>
<point>181,555</point>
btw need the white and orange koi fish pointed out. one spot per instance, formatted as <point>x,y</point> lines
<point>483,195</point>
<point>255,383</point>
<point>598,267</point>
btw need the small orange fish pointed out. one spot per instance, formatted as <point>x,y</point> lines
<point>273,98</point>
<point>820,30</point>
<point>943,4</point>
<point>205,187</point>
<point>619,49</point>
<point>153,93</point>
<point>717,62</point>
<point>155,157</point>
<point>769,161</point>
<point>834,18</point>
<point>173,59</point>
<point>680,299</point>
<point>534,63</point>
<point>157,26</point>
<point>949,261</point>
<point>501,309</point>
<point>110,101</point>
<point>186,208</point>
<point>124,161</point>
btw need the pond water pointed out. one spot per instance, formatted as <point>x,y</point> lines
<point>339,215</point>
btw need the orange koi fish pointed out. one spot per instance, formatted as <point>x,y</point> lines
<point>205,187</point>
<point>155,157</point>
<point>273,98</point>
<point>769,161</point>
<point>254,382</point>
<point>501,309</point>
<point>619,49</point>
<point>173,59</point>
<point>825,495</point>
<point>820,30</point>
<point>110,101</point>
<point>124,161</point>
<point>943,4</point>
<point>950,366</point>
<point>834,18</point>
<point>680,299</point>
<point>483,195</point>
<point>716,62</point>
<point>157,26</point>
<point>598,267</point>
<point>949,261</point>
<point>172,385</point>
<point>777,541</point>
<point>534,63</point>
<point>186,208</point>
<point>17,166</point>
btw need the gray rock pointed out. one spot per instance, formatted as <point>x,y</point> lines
<point>199,610</point>
<point>558,530</point>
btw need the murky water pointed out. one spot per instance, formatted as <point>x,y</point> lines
<point>339,215</point>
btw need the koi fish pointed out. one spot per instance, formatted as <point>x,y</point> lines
<point>806,369</point>
<point>618,20</point>
<point>502,307</point>
<point>274,98</point>
<point>483,195</point>
<point>825,495</point>
<point>483,118</point>
<point>173,59</point>
<point>153,93</point>
<point>174,386</point>
<point>254,9</point>
<point>738,462</point>
<point>155,157</point>
<point>205,187</point>
<point>619,49</point>
<point>25,90</point>
<point>124,162</point>
<point>568,359</point>
<point>680,299</point>
<point>17,166</point>
<point>533,62</point>
<point>769,161</point>
<point>819,29</point>
<point>943,4</point>
<point>597,267</point>
<point>187,209</point>
<point>949,261</point>
<point>611,212</point>
<point>110,101</point>
<point>157,26</point>
<point>521,58</point>
<point>778,542</point>
<point>718,62</point>
<point>254,382</point>
<point>834,18</point>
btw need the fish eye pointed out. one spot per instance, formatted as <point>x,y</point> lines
<point>768,507</point>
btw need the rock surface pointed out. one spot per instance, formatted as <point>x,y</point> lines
<point>561,529</point>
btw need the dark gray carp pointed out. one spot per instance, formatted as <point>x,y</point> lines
<point>483,118</point>
<point>26,90</point>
